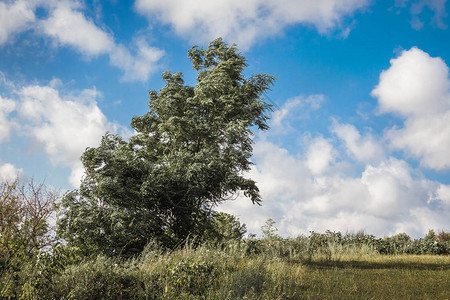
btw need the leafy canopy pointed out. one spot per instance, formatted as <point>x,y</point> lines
<point>189,154</point>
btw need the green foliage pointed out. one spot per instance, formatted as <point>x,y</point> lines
<point>222,229</point>
<point>335,244</point>
<point>206,273</point>
<point>443,236</point>
<point>193,277</point>
<point>269,230</point>
<point>34,279</point>
<point>100,278</point>
<point>188,154</point>
<point>185,273</point>
<point>402,243</point>
<point>341,265</point>
<point>25,208</point>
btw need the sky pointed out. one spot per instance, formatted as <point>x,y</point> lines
<point>360,133</point>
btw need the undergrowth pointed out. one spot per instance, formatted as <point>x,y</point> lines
<point>328,265</point>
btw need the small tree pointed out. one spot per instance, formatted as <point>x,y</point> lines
<point>189,154</point>
<point>223,228</point>
<point>269,230</point>
<point>25,229</point>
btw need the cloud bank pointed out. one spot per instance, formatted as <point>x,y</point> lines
<point>66,25</point>
<point>352,181</point>
<point>65,124</point>
<point>245,22</point>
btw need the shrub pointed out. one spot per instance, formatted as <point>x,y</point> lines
<point>25,231</point>
<point>100,278</point>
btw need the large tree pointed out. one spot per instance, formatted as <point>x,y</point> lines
<point>189,153</point>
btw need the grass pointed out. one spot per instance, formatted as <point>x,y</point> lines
<point>315,267</point>
<point>379,277</point>
<point>204,273</point>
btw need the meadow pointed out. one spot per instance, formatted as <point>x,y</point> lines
<point>319,266</point>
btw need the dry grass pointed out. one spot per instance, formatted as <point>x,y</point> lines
<point>275,272</point>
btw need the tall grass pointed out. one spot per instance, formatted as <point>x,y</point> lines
<point>278,270</point>
<point>320,266</point>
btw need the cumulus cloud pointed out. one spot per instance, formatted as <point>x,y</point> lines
<point>365,149</point>
<point>136,67</point>
<point>245,22</point>
<point>64,122</point>
<point>9,172</point>
<point>65,125</point>
<point>66,25</point>
<point>319,156</point>
<point>386,198</point>
<point>15,17</point>
<point>324,186</point>
<point>417,88</point>
<point>69,27</point>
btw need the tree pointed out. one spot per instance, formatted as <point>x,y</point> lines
<point>25,229</point>
<point>188,155</point>
<point>269,230</point>
<point>223,228</point>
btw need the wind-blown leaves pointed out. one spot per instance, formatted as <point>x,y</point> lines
<point>189,154</point>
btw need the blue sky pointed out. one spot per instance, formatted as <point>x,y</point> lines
<point>360,136</point>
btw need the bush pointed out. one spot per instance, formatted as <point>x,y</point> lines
<point>25,231</point>
<point>222,229</point>
<point>100,278</point>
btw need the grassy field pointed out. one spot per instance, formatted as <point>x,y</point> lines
<point>231,274</point>
<point>319,266</point>
<point>379,277</point>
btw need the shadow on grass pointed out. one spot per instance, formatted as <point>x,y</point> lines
<point>375,265</point>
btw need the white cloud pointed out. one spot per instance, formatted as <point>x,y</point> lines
<point>315,191</point>
<point>9,172</point>
<point>415,84</point>
<point>417,87</point>
<point>296,107</point>
<point>69,27</point>
<point>320,188</point>
<point>139,66</point>
<point>15,17</point>
<point>417,7</point>
<point>319,156</point>
<point>384,199</point>
<point>365,149</point>
<point>66,25</point>
<point>244,22</point>
<point>279,171</point>
<point>64,125</point>
<point>6,107</point>
<point>436,6</point>
<point>427,219</point>
<point>442,195</point>
<point>392,189</point>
